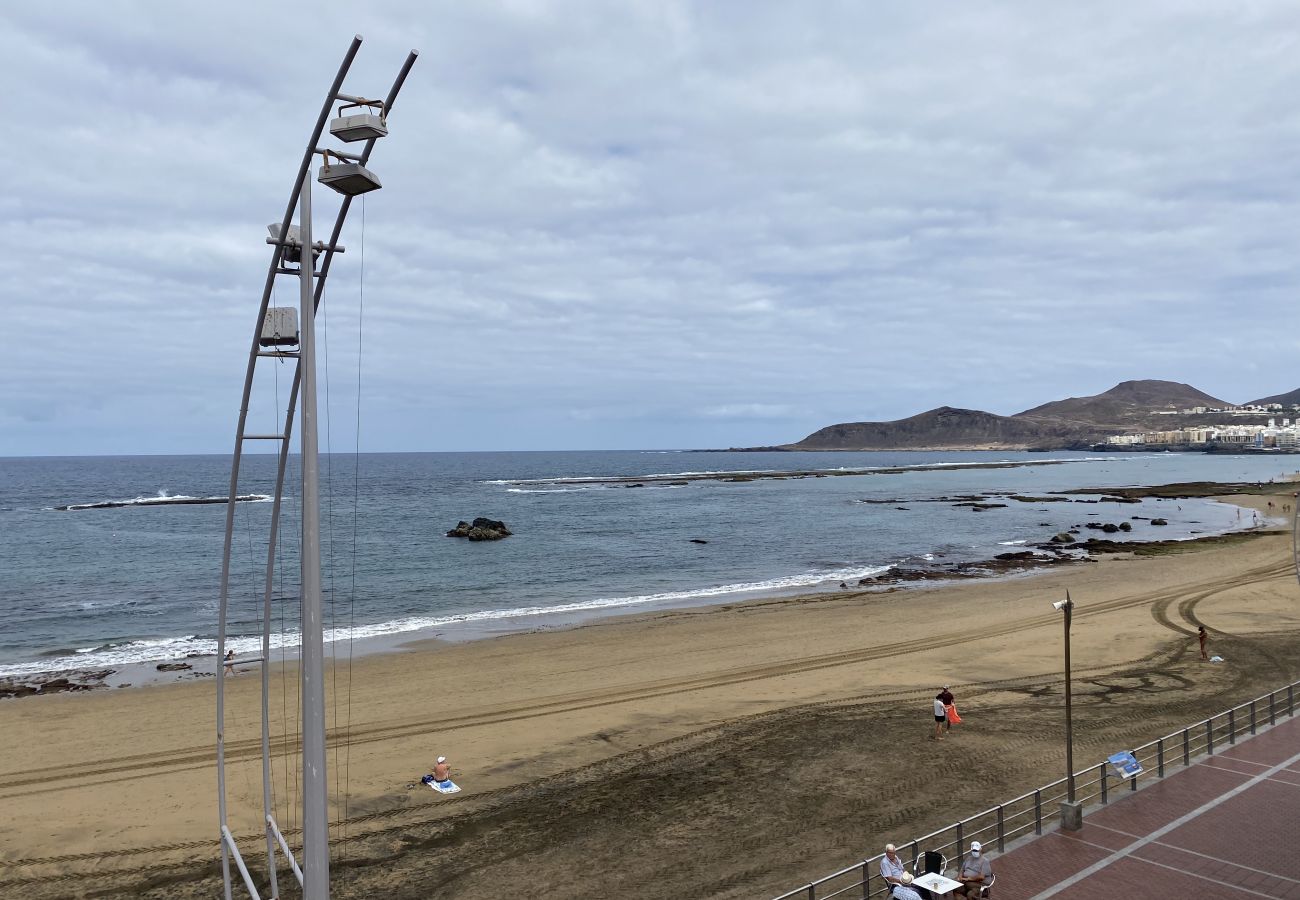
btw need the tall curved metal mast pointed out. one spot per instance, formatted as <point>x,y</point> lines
<point>275,330</point>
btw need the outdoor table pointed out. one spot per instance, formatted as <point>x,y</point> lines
<point>935,883</point>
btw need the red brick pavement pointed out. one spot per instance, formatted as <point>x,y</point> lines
<point>1227,827</point>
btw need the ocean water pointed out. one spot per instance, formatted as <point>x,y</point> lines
<point>91,588</point>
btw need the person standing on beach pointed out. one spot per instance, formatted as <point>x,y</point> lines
<point>1203,636</point>
<point>946,696</point>
<point>940,718</point>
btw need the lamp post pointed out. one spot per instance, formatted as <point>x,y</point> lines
<point>279,328</point>
<point>1071,809</point>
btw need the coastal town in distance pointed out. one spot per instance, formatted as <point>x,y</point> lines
<point>1281,433</point>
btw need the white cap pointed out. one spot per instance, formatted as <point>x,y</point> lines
<point>442,759</point>
<point>975,845</point>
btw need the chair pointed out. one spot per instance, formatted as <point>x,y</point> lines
<point>931,861</point>
<point>984,888</point>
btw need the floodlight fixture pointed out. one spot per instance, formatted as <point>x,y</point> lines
<point>279,327</point>
<point>292,241</point>
<point>348,178</point>
<point>1060,605</point>
<point>360,126</point>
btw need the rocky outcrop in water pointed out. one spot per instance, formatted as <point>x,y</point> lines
<point>481,529</point>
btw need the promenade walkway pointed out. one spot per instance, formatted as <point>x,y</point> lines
<point>1227,827</point>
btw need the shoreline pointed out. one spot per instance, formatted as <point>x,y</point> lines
<point>1015,564</point>
<point>1028,559</point>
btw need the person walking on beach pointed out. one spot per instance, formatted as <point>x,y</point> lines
<point>940,718</point>
<point>946,696</point>
<point>230,662</point>
<point>1202,636</point>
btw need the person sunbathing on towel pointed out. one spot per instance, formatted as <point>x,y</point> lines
<point>442,771</point>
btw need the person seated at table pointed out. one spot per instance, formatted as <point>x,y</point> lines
<point>975,872</point>
<point>891,869</point>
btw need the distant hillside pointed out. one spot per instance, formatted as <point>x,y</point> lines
<point>947,428</point>
<point>1076,422</point>
<point>1128,404</point>
<point>1288,399</point>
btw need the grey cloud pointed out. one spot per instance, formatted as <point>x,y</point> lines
<point>653,224</point>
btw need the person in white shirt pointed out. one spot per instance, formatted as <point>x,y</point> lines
<point>892,870</point>
<point>940,717</point>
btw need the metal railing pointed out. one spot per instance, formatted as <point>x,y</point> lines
<point>995,827</point>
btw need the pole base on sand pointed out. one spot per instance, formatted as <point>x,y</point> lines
<point>1071,816</point>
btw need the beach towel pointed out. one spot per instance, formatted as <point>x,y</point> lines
<point>442,787</point>
<point>950,710</point>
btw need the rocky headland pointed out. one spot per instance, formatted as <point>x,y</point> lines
<point>1075,423</point>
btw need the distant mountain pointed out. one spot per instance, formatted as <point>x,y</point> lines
<point>1127,404</point>
<point>946,428</point>
<point>1288,399</point>
<point>1076,422</point>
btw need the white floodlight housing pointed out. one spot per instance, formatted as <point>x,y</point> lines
<point>1060,605</point>
<point>358,127</point>
<point>349,179</point>
<point>292,238</point>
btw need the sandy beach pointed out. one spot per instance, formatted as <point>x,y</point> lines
<point>734,751</point>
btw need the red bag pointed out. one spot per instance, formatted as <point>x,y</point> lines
<point>950,710</point>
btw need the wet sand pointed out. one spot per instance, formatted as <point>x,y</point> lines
<point>735,751</point>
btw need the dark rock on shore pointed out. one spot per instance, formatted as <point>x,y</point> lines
<point>1003,563</point>
<point>85,681</point>
<point>481,529</point>
<point>981,507</point>
<point>1063,537</point>
<point>698,541</point>
<point>1185,490</point>
<point>1159,522</point>
<point>173,667</point>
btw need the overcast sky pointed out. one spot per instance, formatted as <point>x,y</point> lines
<point>649,225</point>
